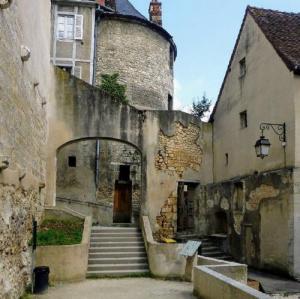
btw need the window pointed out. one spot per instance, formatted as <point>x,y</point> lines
<point>171,57</point>
<point>170,102</point>
<point>243,119</point>
<point>70,27</point>
<point>65,27</point>
<point>124,173</point>
<point>226,159</point>
<point>72,161</point>
<point>243,67</point>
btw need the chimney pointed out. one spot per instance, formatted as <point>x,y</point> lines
<point>108,3</point>
<point>101,2</point>
<point>155,13</point>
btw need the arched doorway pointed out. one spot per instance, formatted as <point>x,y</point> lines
<point>100,177</point>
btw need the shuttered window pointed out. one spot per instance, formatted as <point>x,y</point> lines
<point>79,27</point>
<point>70,27</point>
<point>77,71</point>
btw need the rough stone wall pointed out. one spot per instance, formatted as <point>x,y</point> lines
<point>25,88</point>
<point>257,217</point>
<point>177,154</point>
<point>167,219</point>
<point>181,151</point>
<point>141,56</point>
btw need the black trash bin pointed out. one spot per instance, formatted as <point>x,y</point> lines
<point>40,279</point>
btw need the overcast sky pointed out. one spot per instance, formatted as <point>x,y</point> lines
<point>205,32</point>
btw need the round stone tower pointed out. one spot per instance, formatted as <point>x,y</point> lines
<point>139,50</point>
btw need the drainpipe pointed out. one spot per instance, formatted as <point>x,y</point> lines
<point>97,163</point>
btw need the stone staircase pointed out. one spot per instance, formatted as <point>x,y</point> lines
<point>209,248</point>
<point>116,251</point>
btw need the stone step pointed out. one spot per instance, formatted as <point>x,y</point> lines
<point>114,260</point>
<point>118,254</point>
<point>114,229</point>
<point>116,239</point>
<point>210,248</point>
<point>214,253</point>
<point>116,244</point>
<point>117,249</point>
<point>117,267</point>
<point>117,273</point>
<point>115,235</point>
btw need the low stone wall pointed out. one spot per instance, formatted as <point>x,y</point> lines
<point>102,214</point>
<point>66,262</point>
<point>164,259</point>
<point>220,279</point>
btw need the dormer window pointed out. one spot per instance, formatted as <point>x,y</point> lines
<point>243,67</point>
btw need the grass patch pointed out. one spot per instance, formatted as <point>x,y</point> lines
<point>60,232</point>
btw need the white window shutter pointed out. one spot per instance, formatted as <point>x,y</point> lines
<point>77,71</point>
<point>78,27</point>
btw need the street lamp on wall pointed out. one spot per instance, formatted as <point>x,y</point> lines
<point>262,145</point>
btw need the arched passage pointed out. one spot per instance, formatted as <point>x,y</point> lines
<point>100,177</point>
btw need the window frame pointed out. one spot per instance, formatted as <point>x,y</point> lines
<point>64,15</point>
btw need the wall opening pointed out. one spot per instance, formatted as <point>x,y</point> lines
<point>221,225</point>
<point>72,161</point>
<point>239,197</point>
<point>170,102</point>
<point>186,206</point>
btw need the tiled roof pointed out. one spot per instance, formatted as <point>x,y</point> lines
<point>282,29</point>
<point>124,7</point>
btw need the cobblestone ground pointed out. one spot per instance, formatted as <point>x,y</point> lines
<point>126,288</point>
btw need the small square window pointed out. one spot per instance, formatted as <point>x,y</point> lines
<point>72,161</point>
<point>243,67</point>
<point>243,119</point>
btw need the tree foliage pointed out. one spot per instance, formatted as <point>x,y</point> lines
<point>110,84</point>
<point>200,106</point>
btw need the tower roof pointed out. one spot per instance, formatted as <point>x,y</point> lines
<point>126,11</point>
<point>124,7</point>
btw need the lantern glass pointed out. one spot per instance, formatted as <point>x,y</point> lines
<point>262,147</point>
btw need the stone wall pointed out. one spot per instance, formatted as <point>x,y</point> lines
<point>141,56</point>
<point>26,87</point>
<point>254,212</point>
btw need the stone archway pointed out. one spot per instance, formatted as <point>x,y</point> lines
<point>101,177</point>
<point>82,111</point>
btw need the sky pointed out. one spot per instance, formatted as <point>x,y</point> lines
<point>205,32</point>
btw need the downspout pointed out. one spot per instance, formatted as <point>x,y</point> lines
<point>97,163</point>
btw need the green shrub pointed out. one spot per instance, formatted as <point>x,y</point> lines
<point>110,84</point>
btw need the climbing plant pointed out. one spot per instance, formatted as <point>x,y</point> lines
<point>110,84</point>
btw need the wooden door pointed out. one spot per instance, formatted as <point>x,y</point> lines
<point>122,202</point>
<point>185,208</point>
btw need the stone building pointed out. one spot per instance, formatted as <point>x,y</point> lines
<point>27,87</point>
<point>254,201</point>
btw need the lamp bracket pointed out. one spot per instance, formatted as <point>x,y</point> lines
<point>279,129</point>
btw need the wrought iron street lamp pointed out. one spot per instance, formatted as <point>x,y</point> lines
<point>262,145</point>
